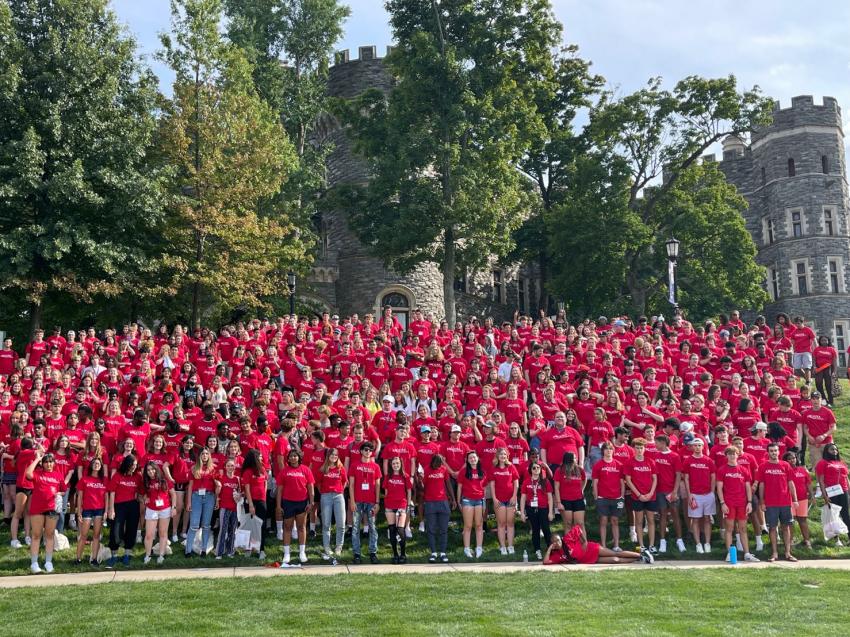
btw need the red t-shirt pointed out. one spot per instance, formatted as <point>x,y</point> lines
<point>734,480</point>
<point>503,479</point>
<point>557,443</point>
<point>641,473</point>
<point>803,339</point>
<point>396,487</point>
<point>230,486</point>
<point>366,476</point>
<point>535,493</point>
<point>775,477</point>
<point>609,477</point>
<point>45,486</point>
<point>293,482</point>
<point>667,465</point>
<point>699,472</point>
<point>94,492</point>
<point>833,472</point>
<point>158,499</point>
<point>818,423</point>
<point>256,484</point>
<point>473,488</point>
<point>333,481</point>
<point>435,484</point>
<point>125,488</point>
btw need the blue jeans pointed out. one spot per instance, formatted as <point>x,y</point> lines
<point>200,517</point>
<point>362,509</point>
<point>60,523</point>
<point>333,505</point>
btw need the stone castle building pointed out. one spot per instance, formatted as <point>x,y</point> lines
<point>793,175</point>
<point>347,278</point>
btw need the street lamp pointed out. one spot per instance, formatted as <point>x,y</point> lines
<point>290,283</point>
<point>672,259</point>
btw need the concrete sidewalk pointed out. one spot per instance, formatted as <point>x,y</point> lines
<point>150,575</point>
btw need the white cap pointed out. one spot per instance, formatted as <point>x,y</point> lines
<point>388,398</point>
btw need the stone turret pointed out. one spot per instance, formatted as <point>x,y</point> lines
<point>793,174</point>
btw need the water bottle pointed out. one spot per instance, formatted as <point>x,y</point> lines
<point>733,554</point>
<point>525,556</point>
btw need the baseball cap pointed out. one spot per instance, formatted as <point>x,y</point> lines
<point>455,428</point>
<point>425,429</point>
<point>761,426</point>
<point>388,399</point>
<point>489,423</point>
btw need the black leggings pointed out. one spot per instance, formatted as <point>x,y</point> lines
<point>124,527</point>
<point>538,517</point>
<point>842,501</point>
<point>823,382</point>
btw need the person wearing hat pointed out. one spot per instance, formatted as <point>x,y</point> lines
<point>363,486</point>
<point>384,421</point>
<point>699,475</point>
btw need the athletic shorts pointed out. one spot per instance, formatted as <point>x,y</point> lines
<point>27,492</point>
<point>802,360</point>
<point>291,508</point>
<point>801,509</point>
<point>157,514</point>
<point>775,515</point>
<point>637,505</point>
<point>663,502</point>
<point>705,505</point>
<point>609,507</point>
<point>574,505</point>
<point>736,513</point>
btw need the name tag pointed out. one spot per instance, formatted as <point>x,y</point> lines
<point>159,502</point>
<point>834,490</point>
<point>364,486</point>
<point>202,491</point>
<point>515,460</point>
<point>534,503</point>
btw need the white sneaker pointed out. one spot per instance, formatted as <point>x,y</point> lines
<point>662,546</point>
<point>408,533</point>
<point>749,557</point>
<point>632,534</point>
<point>539,554</point>
<point>302,555</point>
<point>759,544</point>
<point>739,545</point>
<point>28,540</point>
<point>680,544</point>
<point>422,527</point>
<point>511,550</point>
<point>160,559</point>
<point>503,550</point>
<point>147,559</point>
<point>479,551</point>
<point>838,542</point>
<point>700,550</point>
<point>617,549</point>
<point>728,559</point>
<point>262,555</point>
<point>48,567</point>
<point>35,568</point>
<point>467,552</point>
<point>15,544</point>
<point>174,539</point>
<point>326,556</point>
<point>706,547</point>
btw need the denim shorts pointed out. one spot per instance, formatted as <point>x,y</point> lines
<point>90,514</point>
<point>469,502</point>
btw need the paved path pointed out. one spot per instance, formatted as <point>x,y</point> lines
<point>117,576</point>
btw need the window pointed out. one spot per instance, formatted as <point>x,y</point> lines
<point>800,277</point>
<point>325,242</point>
<point>824,164</point>
<point>841,331</point>
<point>797,223</point>
<point>774,283</point>
<point>400,306</point>
<point>835,274</point>
<point>829,221</point>
<point>498,292</point>
<point>768,233</point>
<point>791,169</point>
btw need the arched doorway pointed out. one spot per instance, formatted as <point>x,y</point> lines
<point>399,301</point>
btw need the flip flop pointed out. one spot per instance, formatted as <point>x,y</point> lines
<point>790,558</point>
<point>771,559</point>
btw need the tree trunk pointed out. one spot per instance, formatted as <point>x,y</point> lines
<point>196,286</point>
<point>541,293</point>
<point>449,265</point>
<point>637,293</point>
<point>35,316</point>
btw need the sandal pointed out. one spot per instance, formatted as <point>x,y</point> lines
<point>790,558</point>
<point>771,559</point>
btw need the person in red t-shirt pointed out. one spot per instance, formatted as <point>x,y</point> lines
<point>504,484</point>
<point>363,485</point>
<point>46,482</point>
<point>158,492</point>
<point>123,508</point>
<point>826,364</point>
<point>535,506</point>
<point>294,497</point>
<point>609,492</point>
<point>397,497</point>
<point>570,481</point>
<point>331,481</point>
<point>229,493</point>
<point>439,501</point>
<point>641,479</point>
<point>471,485</point>
<point>803,338</point>
<point>699,474</point>
<point>776,497</point>
<point>805,495</point>
<point>91,504</point>
<point>735,494</point>
<point>831,473</point>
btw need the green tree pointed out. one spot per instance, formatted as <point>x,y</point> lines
<point>444,144</point>
<point>231,153</point>
<point>80,204</point>
<point>289,43</point>
<point>641,183</point>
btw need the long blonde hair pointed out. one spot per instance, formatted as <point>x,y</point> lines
<point>200,466</point>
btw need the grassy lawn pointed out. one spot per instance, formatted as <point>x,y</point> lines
<point>16,562</point>
<point>762,602</point>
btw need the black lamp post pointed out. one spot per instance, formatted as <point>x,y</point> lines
<point>290,283</point>
<point>672,260</point>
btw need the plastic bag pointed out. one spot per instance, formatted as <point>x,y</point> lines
<point>198,545</point>
<point>60,542</point>
<point>254,526</point>
<point>242,539</point>
<point>830,519</point>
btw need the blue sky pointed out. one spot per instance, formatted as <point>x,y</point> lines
<point>786,47</point>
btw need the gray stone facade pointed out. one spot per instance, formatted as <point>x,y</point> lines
<point>346,277</point>
<point>793,174</point>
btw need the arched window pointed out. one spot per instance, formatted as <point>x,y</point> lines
<point>399,303</point>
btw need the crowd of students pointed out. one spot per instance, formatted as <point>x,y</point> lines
<point>314,424</point>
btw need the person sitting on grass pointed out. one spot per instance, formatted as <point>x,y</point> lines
<point>575,548</point>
